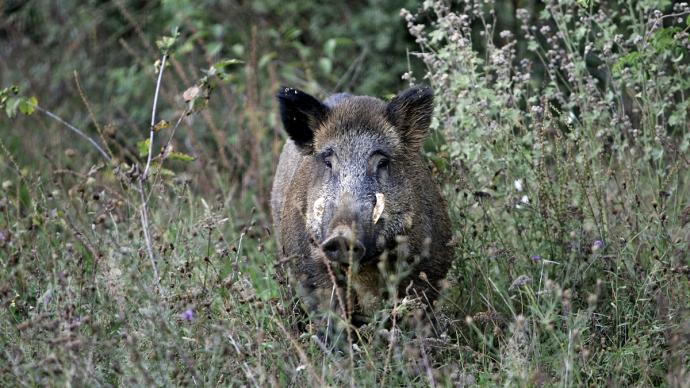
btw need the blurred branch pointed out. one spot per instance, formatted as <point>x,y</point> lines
<point>144,202</point>
<point>153,116</point>
<point>73,129</point>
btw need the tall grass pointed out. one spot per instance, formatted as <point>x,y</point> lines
<point>562,151</point>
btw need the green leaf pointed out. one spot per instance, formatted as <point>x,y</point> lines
<point>156,169</point>
<point>143,147</point>
<point>266,59</point>
<point>167,173</point>
<point>238,49</point>
<point>326,65</point>
<point>223,63</point>
<point>28,105</point>
<point>213,48</point>
<point>329,47</point>
<point>631,59</point>
<point>181,156</point>
<point>293,33</point>
<point>166,43</point>
<point>12,106</point>
<point>663,39</point>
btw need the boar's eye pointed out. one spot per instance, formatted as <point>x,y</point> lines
<point>380,161</point>
<point>326,158</point>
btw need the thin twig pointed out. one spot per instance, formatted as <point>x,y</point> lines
<point>91,114</point>
<point>147,237</point>
<point>73,129</point>
<point>144,202</point>
<point>153,116</point>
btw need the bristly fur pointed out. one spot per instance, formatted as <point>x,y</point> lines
<point>354,116</point>
<point>413,228</point>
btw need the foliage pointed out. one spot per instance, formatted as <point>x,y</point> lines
<point>11,102</point>
<point>560,138</point>
<point>570,192</point>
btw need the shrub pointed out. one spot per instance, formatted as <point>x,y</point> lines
<point>564,146</point>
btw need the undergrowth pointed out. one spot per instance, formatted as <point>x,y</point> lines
<point>562,148</point>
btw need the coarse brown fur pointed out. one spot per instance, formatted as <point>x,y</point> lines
<point>415,230</point>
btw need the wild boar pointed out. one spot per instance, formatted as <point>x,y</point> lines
<point>352,192</point>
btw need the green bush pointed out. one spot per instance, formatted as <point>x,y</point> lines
<point>565,146</point>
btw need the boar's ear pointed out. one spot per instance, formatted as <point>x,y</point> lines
<point>410,112</point>
<point>301,115</point>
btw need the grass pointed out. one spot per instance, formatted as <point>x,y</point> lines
<point>571,215</point>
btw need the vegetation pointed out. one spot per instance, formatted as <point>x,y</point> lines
<point>135,240</point>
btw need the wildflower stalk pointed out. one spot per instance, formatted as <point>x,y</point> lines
<point>147,238</point>
<point>153,116</point>
<point>144,201</point>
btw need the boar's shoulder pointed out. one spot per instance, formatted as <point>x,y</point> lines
<point>290,159</point>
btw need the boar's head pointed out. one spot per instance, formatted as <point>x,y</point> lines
<point>362,155</point>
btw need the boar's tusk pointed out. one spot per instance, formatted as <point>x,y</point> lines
<point>378,208</point>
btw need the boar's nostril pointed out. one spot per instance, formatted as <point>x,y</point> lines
<point>332,246</point>
<point>339,248</point>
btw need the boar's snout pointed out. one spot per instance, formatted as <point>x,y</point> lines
<point>342,244</point>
